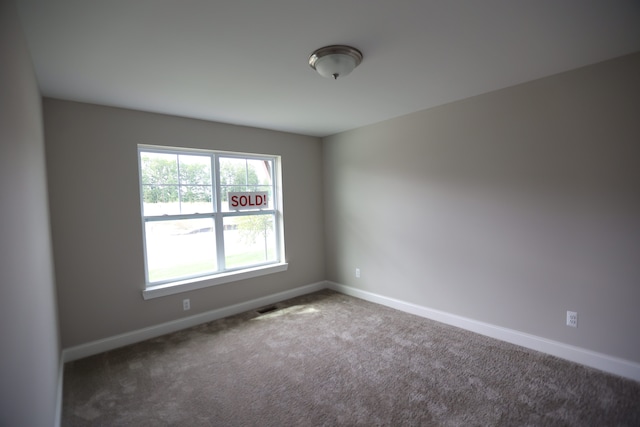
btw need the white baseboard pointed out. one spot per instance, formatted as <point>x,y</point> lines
<point>603,362</point>
<point>99,346</point>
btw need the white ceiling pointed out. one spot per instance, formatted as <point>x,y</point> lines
<point>245,61</point>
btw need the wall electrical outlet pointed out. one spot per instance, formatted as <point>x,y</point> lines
<point>572,319</point>
<point>357,273</point>
<point>186,304</point>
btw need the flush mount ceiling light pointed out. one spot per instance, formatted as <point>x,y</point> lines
<point>335,60</point>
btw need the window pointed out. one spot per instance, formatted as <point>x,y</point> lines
<point>208,213</point>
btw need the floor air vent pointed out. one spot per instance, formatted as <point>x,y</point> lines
<point>267,309</point>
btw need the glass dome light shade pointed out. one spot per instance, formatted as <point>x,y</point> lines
<point>335,61</point>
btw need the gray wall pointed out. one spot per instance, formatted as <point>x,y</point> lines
<point>29,360</point>
<point>95,215</point>
<point>509,208</point>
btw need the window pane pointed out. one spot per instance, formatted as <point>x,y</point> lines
<point>195,170</point>
<point>159,168</point>
<point>242,175</point>
<point>195,199</point>
<point>159,172</point>
<point>180,248</point>
<point>233,171</point>
<point>262,170</point>
<point>233,177</point>
<point>249,240</point>
<point>160,199</point>
<point>195,184</point>
<point>176,184</point>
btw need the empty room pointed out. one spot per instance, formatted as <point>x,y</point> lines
<point>325,213</point>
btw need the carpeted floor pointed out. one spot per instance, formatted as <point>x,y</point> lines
<point>327,359</point>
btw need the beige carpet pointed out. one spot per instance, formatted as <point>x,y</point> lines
<point>327,359</point>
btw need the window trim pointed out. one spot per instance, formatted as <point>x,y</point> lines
<point>201,282</point>
<point>184,284</point>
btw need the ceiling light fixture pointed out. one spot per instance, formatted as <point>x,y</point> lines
<point>335,60</point>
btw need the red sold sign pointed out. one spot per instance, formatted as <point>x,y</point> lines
<point>248,200</point>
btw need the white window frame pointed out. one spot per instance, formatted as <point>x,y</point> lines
<point>223,275</point>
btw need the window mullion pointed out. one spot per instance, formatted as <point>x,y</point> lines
<point>219,220</point>
<point>176,217</point>
<point>275,189</point>
<point>246,175</point>
<point>178,189</point>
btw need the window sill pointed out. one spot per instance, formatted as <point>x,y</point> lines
<point>207,281</point>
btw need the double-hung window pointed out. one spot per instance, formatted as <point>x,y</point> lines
<point>208,215</point>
